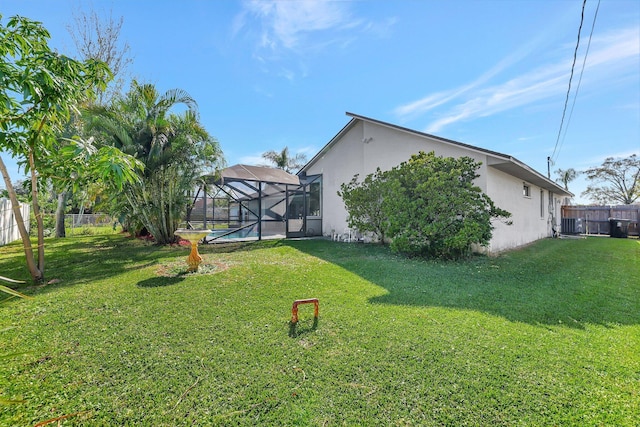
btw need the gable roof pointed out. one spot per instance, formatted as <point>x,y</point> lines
<point>258,174</point>
<point>502,162</point>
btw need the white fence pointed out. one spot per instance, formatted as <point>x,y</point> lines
<point>8,226</point>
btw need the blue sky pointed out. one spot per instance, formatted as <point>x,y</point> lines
<point>494,74</point>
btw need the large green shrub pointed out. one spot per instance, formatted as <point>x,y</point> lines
<point>427,206</point>
<point>364,204</point>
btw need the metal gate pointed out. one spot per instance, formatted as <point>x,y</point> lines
<point>296,214</point>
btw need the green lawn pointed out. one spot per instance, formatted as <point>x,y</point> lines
<point>546,335</point>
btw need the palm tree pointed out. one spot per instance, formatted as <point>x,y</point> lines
<point>565,176</point>
<point>283,160</point>
<point>174,148</point>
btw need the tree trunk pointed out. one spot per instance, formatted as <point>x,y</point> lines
<point>37,213</point>
<point>36,274</point>
<point>62,204</point>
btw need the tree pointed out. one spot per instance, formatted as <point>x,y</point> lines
<point>21,189</point>
<point>98,38</point>
<point>283,160</point>
<point>39,89</point>
<point>364,204</point>
<point>175,149</point>
<point>427,206</point>
<point>95,38</point>
<point>616,181</point>
<point>565,176</point>
<point>436,210</point>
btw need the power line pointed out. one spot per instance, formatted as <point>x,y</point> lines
<point>566,101</point>
<point>584,62</point>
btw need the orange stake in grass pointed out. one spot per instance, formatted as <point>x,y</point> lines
<point>294,309</point>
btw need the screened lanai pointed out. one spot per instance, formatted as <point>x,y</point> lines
<point>256,202</point>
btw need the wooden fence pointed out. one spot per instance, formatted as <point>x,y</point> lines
<point>8,225</point>
<point>595,219</point>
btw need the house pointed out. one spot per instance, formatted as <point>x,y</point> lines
<point>365,144</point>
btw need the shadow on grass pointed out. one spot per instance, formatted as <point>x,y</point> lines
<point>72,260</point>
<point>551,283</point>
<point>233,247</point>
<point>156,282</point>
<point>296,331</point>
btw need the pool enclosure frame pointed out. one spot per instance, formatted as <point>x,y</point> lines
<point>256,202</point>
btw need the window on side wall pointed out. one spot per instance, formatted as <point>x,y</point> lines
<point>541,203</point>
<point>526,190</point>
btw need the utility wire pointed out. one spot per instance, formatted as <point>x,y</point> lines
<point>566,101</point>
<point>584,62</point>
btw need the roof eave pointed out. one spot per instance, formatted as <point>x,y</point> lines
<point>518,169</point>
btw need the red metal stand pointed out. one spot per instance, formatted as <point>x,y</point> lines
<point>294,309</point>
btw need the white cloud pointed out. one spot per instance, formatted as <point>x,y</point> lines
<point>435,100</point>
<point>308,150</point>
<point>256,160</point>
<point>615,45</point>
<point>612,55</point>
<point>598,160</point>
<point>302,28</point>
<point>284,23</point>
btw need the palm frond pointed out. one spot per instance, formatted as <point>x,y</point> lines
<point>10,291</point>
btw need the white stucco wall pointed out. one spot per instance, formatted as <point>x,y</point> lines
<point>336,167</point>
<point>527,224</point>
<point>366,146</point>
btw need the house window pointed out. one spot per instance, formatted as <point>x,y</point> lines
<point>541,203</point>
<point>526,190</point>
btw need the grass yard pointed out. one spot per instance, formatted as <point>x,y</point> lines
<point>544,336</point>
